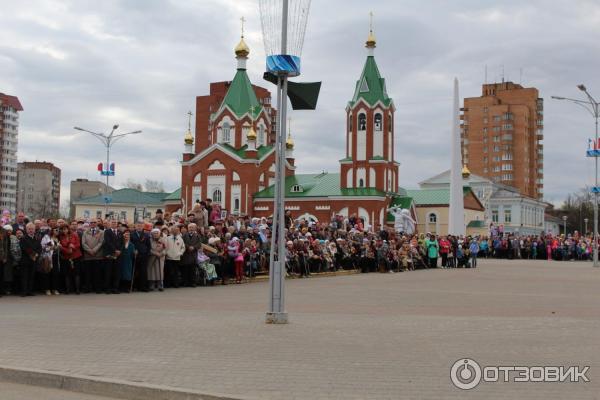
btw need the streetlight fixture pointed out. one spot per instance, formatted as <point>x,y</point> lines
<point>107,141</point>
<point>591,105</point>
<point>565,224</point>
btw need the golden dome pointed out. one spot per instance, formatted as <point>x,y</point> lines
<point>371,40</point>
<point>465,172</point>
<point>289,143</point>
<point>188,139</point>
<point>251,134</point>
<point>242,49</point>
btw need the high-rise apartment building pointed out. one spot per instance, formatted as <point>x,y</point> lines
<point>38,189</point>
<point>10,106</point>
<point>502,135</point>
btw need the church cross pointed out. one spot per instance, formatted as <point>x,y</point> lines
<point>243,20</point>
<point>371,21</point>
<point>189,121</point>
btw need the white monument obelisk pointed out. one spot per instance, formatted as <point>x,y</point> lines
<point>456,218</point>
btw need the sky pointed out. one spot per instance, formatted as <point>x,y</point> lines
<point>141,63</point>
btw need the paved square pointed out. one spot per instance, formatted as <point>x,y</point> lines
<point>373,336</point>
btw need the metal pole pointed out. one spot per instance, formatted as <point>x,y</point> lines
<point>277,314</point>
<point>595,105</point>
<point>106,170</point>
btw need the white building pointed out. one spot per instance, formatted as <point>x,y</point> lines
<point>504,205</point>
<point>10,106</point>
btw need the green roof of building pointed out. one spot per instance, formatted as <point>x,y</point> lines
<point>476,224</point>
<point>319,185</point>
<point>432,196</point>
<point>126,196</point>
<point>371,86</point>
<point>176,195</point>
<point>241,97</point>
<point>241,152</point>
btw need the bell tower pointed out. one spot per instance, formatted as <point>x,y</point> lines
<point>369,161</point>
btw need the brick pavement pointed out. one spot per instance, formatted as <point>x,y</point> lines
<point>374,336</point>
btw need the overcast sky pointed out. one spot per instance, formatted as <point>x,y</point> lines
<point>141,63</point>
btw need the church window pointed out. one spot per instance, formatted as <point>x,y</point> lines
<point>236,205</point>
<point>350,123</point>
<point>226,132</point>
<point>432,218</point>
<point>378,122</point>
<point>361,182</point>
<point>362,122</point>
<point>261,136</point>
<point>390,123</point>
<point>296,189</point>
<point>216,197</point>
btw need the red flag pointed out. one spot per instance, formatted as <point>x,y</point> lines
<point>100,167</point>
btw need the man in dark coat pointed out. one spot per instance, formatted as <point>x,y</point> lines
<point>141,242</point>
<point>32,250</point>
<point>111,249</point>
<point>193,242</point>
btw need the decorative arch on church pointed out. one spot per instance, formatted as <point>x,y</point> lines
<point>216,165</point>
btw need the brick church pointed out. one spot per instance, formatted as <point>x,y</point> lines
<point>231,158</point>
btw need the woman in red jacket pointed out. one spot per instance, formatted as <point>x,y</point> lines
<point>70,253</point>
<point>445,246</point>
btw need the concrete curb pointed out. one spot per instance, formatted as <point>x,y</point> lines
<point>100,386</point>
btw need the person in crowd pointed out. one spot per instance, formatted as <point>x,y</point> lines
<point>189,259</point>
<point>156,261</point>
<point>70,259</point>
<point>141,241</point>
<point>112,245</point>
<point>432,246</point>
<point>32,250</point>
<point>4,255</point>
<point>127,261</point>
<point>474,251</point>
<point>91,243</point>
<point>175,249</point>
<point>12,261</point>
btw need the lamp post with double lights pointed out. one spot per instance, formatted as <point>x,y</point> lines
<point>591,105</point>
<point>107,141</point>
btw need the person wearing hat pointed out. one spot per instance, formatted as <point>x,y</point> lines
<point>156,261</point>
<point>193,242</point>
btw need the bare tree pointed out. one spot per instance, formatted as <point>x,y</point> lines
<point>154,186</point>
<point>131,184</point>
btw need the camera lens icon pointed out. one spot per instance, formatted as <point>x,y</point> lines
<point>465,374</point>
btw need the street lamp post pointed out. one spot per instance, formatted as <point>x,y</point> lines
<point>565,225</point>
<point>107,141</point>
<point>585,221</point>
<point>591,105</point>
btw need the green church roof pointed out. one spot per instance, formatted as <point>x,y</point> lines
<point>319,185</point>
<point>241,96</point>
<point>127,196</point>
<point>371,86</point>
<point>241,152</point>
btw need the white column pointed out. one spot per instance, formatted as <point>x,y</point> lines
<point>456,219</point>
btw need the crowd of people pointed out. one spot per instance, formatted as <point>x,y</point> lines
<point>55,256</point>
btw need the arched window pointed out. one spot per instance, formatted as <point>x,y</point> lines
<point>378,122</point>
<point>216,197</point>
<point>361,182</point>
<point>432,218</point>
<point>296,189</point>
<point>350,123</point>
<point>236,205</point>
<point>226,132</point>
<point>261,136</point>
<point>362,122</point>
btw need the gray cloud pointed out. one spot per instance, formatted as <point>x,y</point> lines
<point>141,64</point>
